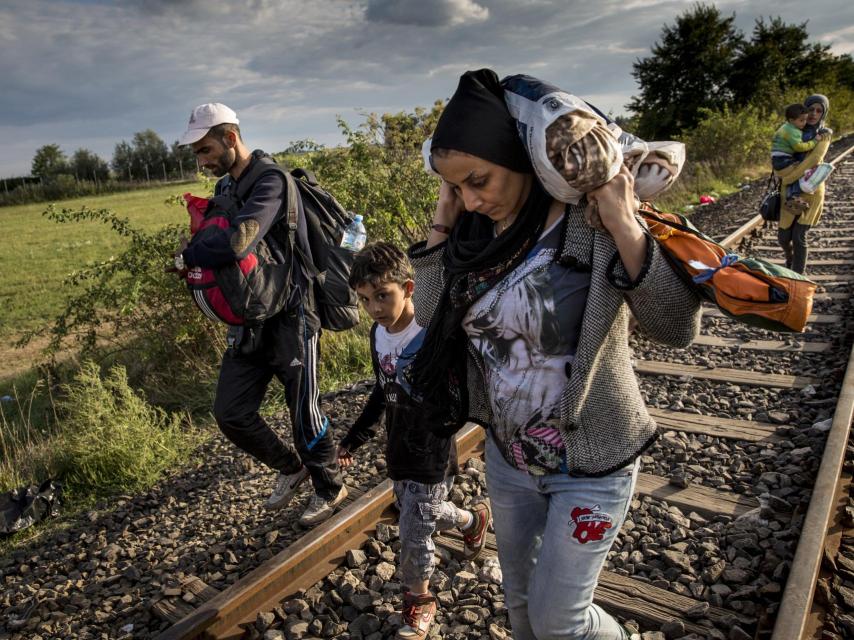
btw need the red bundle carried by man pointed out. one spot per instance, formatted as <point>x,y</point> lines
<point>249,290</point>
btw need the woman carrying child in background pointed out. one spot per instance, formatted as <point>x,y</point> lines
<point>795,222</point>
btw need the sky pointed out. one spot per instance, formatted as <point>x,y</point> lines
<point>90,73</point>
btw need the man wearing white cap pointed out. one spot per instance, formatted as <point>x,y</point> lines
<point>286,345</point>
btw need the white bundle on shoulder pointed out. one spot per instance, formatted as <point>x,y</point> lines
<point>574,148</point>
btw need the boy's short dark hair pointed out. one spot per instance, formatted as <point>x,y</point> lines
<point>379,263</point>
<point>795,111</point>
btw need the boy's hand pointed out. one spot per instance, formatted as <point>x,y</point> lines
<point>345,458</point>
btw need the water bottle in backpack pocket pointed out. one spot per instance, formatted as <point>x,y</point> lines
<point>355,236</point>
<point>327,225</point>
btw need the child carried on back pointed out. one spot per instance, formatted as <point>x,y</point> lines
<point>421,464</point>
<point>789,148</point>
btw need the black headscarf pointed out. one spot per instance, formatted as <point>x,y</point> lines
<point>475,121</point>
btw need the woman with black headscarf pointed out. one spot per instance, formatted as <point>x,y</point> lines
<point>794,225</point>
<point>527,301</point>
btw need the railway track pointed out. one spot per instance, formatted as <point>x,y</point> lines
<point>741,551</point>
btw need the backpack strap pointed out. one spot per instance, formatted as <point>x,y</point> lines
<point>259,167</point>
<point>307,175</point>
<point>293,205</point>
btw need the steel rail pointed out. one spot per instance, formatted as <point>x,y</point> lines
<point>794,614</point>
<point>309,559</point>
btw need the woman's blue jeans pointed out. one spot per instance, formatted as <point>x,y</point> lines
<point>553,534</point>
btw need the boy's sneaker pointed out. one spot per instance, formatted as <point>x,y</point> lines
<point>474,538</point>
<point>319,509</point>
<point>418,614</point>
<point>287,485</point>
<point>797,205</point>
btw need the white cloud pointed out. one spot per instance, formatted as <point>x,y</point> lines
<point>92,72</point>
<point>841,40</point>
<point>436,13</point>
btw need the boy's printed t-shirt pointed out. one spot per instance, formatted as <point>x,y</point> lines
<point>412,451</point>
<point>389,346</point>
<point>526,328</point>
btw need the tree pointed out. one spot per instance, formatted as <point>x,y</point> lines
<point>49,162</point>
<point>150,154</point>
<point>689,70</point>
<point>182,161</point>
<point>299,147</point>
<point>123,161</point>
<point>86,165</point>
<point>778,57</point>
<point>844,69</point>
<point>146,157</point>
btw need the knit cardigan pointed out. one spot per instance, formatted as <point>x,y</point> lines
<point>603,420</point>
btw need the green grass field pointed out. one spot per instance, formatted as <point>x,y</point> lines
<point>38,253</point>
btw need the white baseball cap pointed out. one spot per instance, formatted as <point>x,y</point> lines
<point>204,117</point>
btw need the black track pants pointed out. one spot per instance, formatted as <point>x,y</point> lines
<point>288,350</point>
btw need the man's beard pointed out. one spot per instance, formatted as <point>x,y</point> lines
<point>224,163</point>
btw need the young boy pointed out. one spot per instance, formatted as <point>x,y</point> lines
<point>421,465</point>
<point>789,148</point>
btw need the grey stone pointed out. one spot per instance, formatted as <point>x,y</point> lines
<point>296,630</point>
<point>678,560</point>
<point>673,628</point>
<point>698,610</point>
<point>737,633</point>
<point>386,532</point>
<point>491,571</point>
<point>385,570</point>
<point>356,558</point>
<point>365,624</point>
<point>498,633</point>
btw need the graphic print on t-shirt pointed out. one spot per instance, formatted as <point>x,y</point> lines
<point>390,346</point>
<point>526,329</point>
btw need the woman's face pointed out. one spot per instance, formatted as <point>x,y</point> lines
<point>814,113</point>
<point>485,187</point>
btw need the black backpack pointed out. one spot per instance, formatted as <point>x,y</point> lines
<point>769,208</point>
<point>328,265</point>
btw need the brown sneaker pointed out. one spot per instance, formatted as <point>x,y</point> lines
<point>474,538</point>
<point>418,614</point>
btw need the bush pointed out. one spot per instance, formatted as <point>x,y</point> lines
<point>728,141</point>
<point>113,440</point>
<point>345,356</point>
<point>63,187</point>
<point>380,173</point>
<point>127,308</point>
